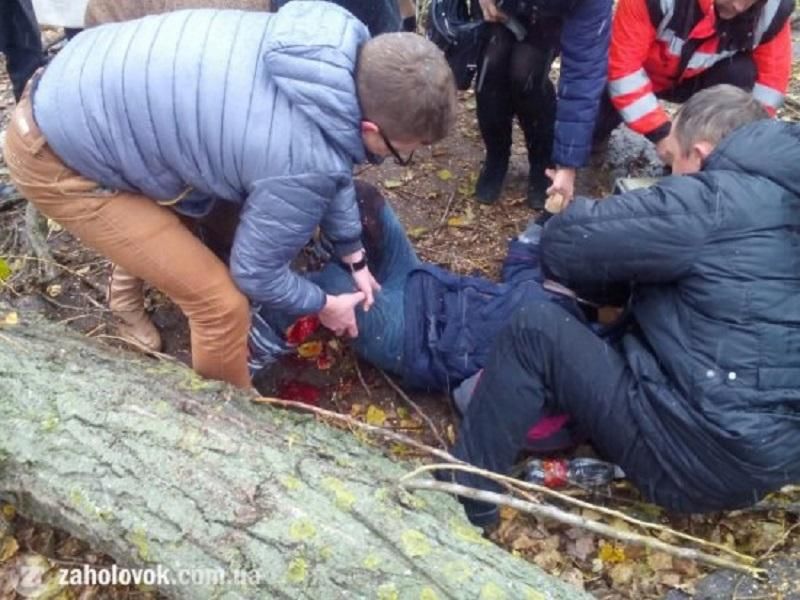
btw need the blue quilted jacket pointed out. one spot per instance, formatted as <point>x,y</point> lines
<point>251,108</point>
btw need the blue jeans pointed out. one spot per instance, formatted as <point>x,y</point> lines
<point>381,331</point>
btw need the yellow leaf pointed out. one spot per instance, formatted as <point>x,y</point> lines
<point>309,349</point>
<point>391,184</point>
<point>457,222</point>
<point>375,416</point>
<point>444,174</point>
<point>5,270</point>
<point>8,548</point>
<point>9,512</point>
<point>416,232</point>
<point>54,290</point>
<point>11,318</point>
<point>611,553</point>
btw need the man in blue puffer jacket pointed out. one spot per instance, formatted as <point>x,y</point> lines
<point>699,402</point>
<point>136,121</point>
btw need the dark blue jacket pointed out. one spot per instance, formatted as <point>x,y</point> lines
<point>715,261</point>
<point>585,37</point>
<point>451,320</point>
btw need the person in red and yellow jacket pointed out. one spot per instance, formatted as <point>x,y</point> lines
<point>671,49</point>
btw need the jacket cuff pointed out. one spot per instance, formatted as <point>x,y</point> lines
<point>344,247</point>
<point>659,133</point>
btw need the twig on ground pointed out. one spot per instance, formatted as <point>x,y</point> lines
<point>350,421</point>
<point>57,265</point>
<point>779,542</point>
<point>527,486</point>
<point>443,220</point>
<point>551,512</point>
<point>416,407</point>
<point>38,243</point>
<point>367,391</point>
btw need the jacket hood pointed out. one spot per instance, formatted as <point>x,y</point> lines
<point>311,52</point>
<point>766,148</point>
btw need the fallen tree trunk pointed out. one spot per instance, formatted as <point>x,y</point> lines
<point>156,467</point>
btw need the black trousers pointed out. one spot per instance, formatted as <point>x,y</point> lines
<point>738,70</point>
<point>20,41</point>
<point>513,80</point>
<point>547,359</point>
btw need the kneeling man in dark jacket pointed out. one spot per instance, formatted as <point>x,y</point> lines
<point>699,402</point>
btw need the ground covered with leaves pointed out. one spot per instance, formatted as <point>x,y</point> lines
<point>433,198</point>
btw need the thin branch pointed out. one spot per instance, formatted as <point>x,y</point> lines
<point>350,421</point>
<point>551,512</point>
<point>37,241</point>
<point>527,486</point>
<point>416,407</point>
<point>367,391</point>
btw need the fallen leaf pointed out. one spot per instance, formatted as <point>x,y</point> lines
<point>416,232</point>
<point>5,270</point>
<point>524,542</point>
<point>444,174</point>
<point>309,349</point>
<point>459,221</point>
<point>670,579</point>
<point>549,560</point>
<point>391,184</point>
<point>9,512</point>
<point>375,416</point>
<point>53,227</point>
<point>54,290</point>
<point>11,318</point>
<point>611,553</point>
<point>659,561</point>
<point>582,548</point>
<point>621,574</point>
<point>8,548</point>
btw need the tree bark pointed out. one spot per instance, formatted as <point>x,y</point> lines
<point>155,466</point>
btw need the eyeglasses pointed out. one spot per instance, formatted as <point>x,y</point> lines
<point>403,162</point>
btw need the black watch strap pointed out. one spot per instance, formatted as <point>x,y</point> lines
<point>358,265</point>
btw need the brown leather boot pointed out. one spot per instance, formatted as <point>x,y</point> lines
<point>126,301</point>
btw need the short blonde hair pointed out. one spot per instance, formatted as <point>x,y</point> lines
<point>406,87</point>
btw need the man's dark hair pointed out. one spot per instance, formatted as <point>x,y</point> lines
<point>713,113</point>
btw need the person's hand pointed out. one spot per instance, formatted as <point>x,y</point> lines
<point>563,179</point>
<point>491,13</point>
<point>665,151</point>
<point>366,284</point>
<point>339,313</point>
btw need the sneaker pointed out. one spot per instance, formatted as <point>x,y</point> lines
<point>490,180</point>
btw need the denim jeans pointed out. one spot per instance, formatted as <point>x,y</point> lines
<point>381,331</point>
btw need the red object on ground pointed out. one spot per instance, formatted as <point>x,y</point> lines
<point>555,473</point>
<point>297,391</point>
<point>299,331</point>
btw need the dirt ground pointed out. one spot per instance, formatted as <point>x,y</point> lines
<point>434,200</point>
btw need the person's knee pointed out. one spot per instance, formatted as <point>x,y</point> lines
<point>227,309</point>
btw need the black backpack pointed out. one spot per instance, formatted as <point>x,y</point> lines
<point>457,27</point>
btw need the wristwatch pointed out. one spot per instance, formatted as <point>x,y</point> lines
<point>359,264</point>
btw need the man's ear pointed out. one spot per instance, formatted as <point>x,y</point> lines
<point>368,127</point>
<point>703,149</point>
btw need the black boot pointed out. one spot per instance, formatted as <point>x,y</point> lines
<point>538,183</point>
<point>490,180</point>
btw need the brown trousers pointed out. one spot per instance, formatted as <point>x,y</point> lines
<point>146,239</point>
